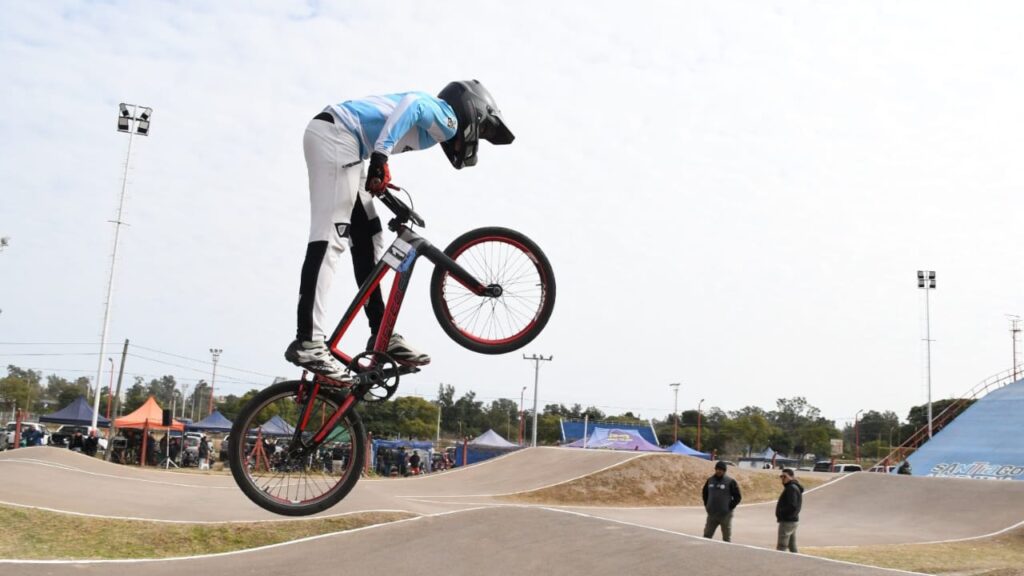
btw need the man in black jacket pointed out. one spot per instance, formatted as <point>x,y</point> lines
<point>721,495</point>
<point>787,511</point>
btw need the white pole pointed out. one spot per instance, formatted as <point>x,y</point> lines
<point>928,347</point>
<point>536,376</point>
<point>113,265</point>
<point>586,419</point>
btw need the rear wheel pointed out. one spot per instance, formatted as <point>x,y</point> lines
<point>495,324</point>
<point>281,476</point>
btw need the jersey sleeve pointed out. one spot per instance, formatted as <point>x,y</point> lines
<point>416,110</point>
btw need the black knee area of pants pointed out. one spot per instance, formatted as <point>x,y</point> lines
<point>362,232</point>
<point>315,252</point>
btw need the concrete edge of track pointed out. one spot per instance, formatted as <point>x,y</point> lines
<point>721,543</point>
<point>44,463</point>
<point>164,521</point>
<point>421,497</point>
<point>559,483</point>
<point>949,541</point>
<point>231,553</point>
<point>375,526</point>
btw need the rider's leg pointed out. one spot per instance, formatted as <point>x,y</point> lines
<point>367,249</point>
<point>333,164</point>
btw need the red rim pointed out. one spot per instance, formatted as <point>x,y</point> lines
<point>536,314</point>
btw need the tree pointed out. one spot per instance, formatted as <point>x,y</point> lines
<point>917,418</point>
<point>21,388</point>
<point>64,392</point>
<point>751,428</point>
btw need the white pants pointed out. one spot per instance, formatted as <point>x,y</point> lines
<point>336,179</point>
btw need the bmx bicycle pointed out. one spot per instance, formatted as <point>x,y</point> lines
<point>492,292</point>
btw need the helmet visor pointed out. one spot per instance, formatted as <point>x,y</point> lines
<point>494,130</point>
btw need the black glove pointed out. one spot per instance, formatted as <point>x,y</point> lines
<point>377,176</point>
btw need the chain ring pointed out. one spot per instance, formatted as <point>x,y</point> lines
<point>380,386</point>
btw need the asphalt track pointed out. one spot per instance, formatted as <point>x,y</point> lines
<point>466,526</point>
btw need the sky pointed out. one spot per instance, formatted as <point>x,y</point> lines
<point>735,196</point>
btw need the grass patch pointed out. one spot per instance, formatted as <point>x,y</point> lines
<point>997,556</point>
<point>657,480</point>
<point>42,535</point>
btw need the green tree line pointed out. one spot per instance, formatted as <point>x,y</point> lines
<point>793,427</point>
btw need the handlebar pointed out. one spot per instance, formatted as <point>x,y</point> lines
<point>403,213</point>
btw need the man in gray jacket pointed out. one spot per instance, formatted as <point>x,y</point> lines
<point>721,495</point>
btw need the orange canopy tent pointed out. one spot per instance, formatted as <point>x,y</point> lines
<point>149,415</point>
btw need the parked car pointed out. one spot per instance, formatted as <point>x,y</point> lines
<point>882,469</point>
<point>823,466</point>
<point>843,468</point>
<point>62,437</point>
<point>25,426</point>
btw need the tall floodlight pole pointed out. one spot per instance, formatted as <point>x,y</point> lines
<point>675,412</point>
<point>131,122</point>
<point>1014,334</point>
<point>698,423</point>
<point>536,376</point>
<point>926,281</point>
<point>215,352</point>
<point>522,394</point>
<point>856,432</point>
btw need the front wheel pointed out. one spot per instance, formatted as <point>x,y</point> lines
<point>274,466</point>
<point>494,324</point>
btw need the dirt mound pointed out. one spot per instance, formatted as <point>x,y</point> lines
<point>656,480</point>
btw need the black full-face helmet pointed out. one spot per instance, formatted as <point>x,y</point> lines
<point>478,117</point>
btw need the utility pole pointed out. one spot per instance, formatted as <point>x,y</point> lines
<point>926,281</point>
<point>131,124</point>
<point>536,376</point>
<point>1014,332</point>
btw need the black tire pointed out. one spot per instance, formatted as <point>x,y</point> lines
<point>495,325</point>
<point>269,482</point>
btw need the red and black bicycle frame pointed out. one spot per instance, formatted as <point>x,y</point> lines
<point>400,258</point>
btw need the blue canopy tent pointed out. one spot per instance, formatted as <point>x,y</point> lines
<point>680,448</point>
<point>276,426</point>
<point>483,447</point>
<point>77,413</point>
<point>215,422</point>
<point>381,447</point>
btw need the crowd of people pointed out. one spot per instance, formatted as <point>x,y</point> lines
<point>721,495</point>
<point>402,462</point>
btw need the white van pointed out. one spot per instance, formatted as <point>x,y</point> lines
<point>9,432</point>
<point>847,468</point>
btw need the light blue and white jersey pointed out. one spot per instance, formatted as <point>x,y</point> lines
<point>396,123</point>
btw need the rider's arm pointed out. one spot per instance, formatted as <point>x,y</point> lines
<point>416,109</point>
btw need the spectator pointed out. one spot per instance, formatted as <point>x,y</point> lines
<point>77,443</point>
<point>787,511</point>
<point>403,462</point>
<point>721,495</point>
<point>905,468</point>
<point>204,453</point>
<point>91,443</point>
<point>175,448</point>
<point>150,450</point>
<point>414,463</point>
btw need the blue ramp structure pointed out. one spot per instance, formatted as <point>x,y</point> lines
<point>983,442</point>
<point>573,430</point>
